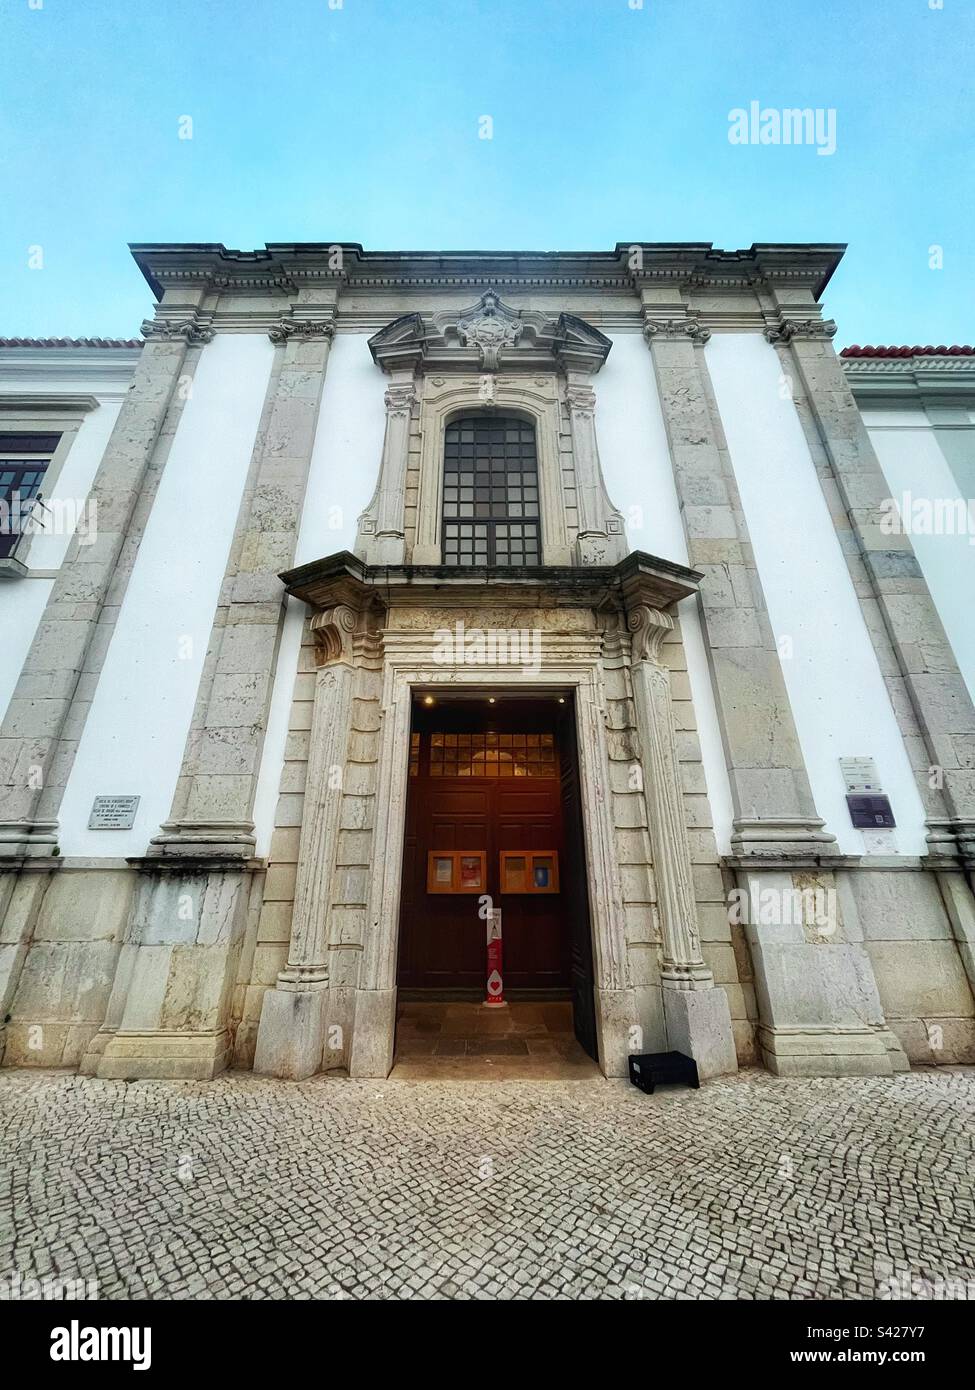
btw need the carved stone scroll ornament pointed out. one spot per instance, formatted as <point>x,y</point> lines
<point>788,329</point>
<point>648,627</point>
<point>171,330</point>
<point>675,328</point>
<point>301,328</point>
<point>490,328</point>
<point>333,629</point>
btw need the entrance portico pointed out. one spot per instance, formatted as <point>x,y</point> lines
<point>382,635</point>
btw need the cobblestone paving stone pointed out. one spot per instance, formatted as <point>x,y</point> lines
<point>248,1188</point>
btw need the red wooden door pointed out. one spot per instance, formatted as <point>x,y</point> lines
<point>478,789</point>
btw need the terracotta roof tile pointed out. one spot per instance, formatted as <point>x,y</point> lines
<point>71,342</point>
<point>942,351</point>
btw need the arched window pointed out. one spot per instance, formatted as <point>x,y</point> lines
<point>490,492</point>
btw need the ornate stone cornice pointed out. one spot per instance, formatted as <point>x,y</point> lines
<point>279,266</point>
<point>675,328</point>
<point>191,331</point>
<point>789,329</point>
<point>46,402</point>
<point>286,283</point>
<point>345,579</point>
<point>289,328</point>
<point>487,337</point>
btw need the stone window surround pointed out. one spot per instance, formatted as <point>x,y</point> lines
<point>490,356</point>
<point>42,414</point>
<point>446,399</point>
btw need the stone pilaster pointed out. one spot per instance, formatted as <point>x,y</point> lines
<point>213,804</point>
<point>290,1039</point>
<point>775,815</point>
<point>184,939</point>
<point>819,1006</point>
<point>382,533</point>
<point>169,1011</point>
<point>696,1013</point>
<point>371,1053</point>
<point>601,539</point>
<point>926,688</point>
<point>43,724</point>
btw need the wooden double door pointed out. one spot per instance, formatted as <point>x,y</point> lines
<point>504,781</point>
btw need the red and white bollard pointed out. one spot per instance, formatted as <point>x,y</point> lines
<point>495,983</point>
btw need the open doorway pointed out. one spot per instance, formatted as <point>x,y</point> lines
<point>494,820</point>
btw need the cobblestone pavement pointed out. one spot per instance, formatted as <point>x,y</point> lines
<point>244,1187</point>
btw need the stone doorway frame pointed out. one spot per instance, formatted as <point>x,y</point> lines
<point>382,629</point>
<point>405,676</point>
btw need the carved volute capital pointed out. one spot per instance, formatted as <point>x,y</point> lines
<point>289,328</point>
<point>171,330</point>
<point>581,400</point>
<point>399,400</point>
<point>789,329</point>
<point>675,328</point>
<point>648,627</point>
<point>333,629</point>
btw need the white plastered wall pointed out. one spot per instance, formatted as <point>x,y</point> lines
<point>835,686</point>
<point>136,731</point>
<point>639,476</point>
<point>22,601</point>
<point>344,467</point>
<point>914,464</point>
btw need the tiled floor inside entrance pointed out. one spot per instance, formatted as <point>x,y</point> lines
<point>470,1042</point>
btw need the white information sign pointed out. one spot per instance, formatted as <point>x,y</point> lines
<point>113,813</point>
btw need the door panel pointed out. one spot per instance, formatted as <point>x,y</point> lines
<point>442,936</point>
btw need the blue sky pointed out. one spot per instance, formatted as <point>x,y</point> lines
<point>320,121</point>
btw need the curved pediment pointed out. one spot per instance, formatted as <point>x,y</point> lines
<point>488,336</point>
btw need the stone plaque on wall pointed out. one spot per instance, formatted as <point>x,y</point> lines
<point>860,775</point>
<point>113,813</point>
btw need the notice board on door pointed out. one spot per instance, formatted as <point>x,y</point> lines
<point>457,871</point>
<point>529,871</point>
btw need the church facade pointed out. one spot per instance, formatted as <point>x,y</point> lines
<point>375,595</point>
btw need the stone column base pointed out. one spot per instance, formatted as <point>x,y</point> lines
<point>699,1025</point>
<point>291,1034</point>
<point>373,1038</point>
<point>617,1028</point>
<point>20,839</point>
<point>163,1056</point>
<point>831,1051</point>
<point>779,838</point>
<point>959,902</point>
